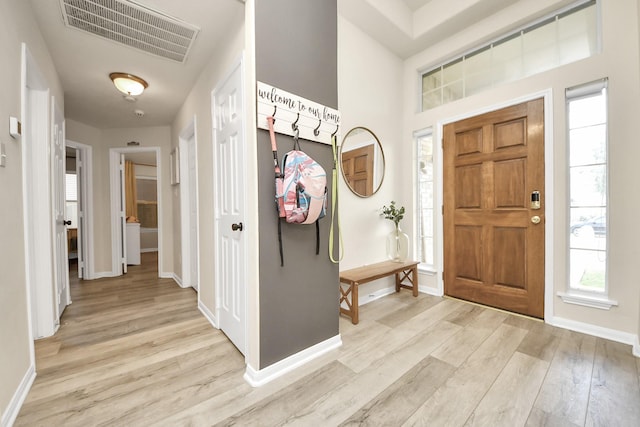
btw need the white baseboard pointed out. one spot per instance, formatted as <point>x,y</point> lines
<point>369,297</point>
<point>178,280</point>
<point>165,275</point>
<point>598,331</point>
<point>270,373</point>
<point>430,291</point>
<point>10,415</point>
<point>103,274</point>
<point>208,314</point>
<point>636,347</point>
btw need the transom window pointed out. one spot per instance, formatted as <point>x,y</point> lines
<point>560,39</point>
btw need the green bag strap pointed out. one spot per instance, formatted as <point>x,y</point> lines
<point>334,201</point>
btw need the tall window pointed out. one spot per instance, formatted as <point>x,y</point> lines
<point>560,39</point>
<point>424,141</point>
<point>587,137</point>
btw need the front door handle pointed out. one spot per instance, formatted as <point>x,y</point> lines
<point>236,227</point>
<point>66,222</point>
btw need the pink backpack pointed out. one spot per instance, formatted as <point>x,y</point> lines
<point>301,192</point>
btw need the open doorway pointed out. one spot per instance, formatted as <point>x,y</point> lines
<point>135,198</point>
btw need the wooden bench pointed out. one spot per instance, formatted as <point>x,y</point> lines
<point>350,279</point>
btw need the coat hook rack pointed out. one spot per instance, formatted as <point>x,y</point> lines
<point>313,121</point>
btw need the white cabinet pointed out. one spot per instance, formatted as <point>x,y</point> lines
<point>133,243</point>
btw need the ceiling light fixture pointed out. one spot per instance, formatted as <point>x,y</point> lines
<point>128,84</point>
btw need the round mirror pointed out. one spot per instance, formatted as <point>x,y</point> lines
<point>362,161</point>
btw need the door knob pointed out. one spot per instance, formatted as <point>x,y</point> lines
<point>535,219</point>
<point>236,227</point>
<point>65,222</point>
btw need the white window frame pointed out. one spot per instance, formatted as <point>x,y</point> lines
<point>430,267</point>
<point>574,295</point>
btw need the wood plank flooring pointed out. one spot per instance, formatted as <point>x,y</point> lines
<point>135,351</point>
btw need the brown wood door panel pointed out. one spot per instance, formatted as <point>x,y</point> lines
<point>493,253</point>
<point>357,168</point>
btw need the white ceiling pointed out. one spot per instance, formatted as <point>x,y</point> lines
<point>84,61</point>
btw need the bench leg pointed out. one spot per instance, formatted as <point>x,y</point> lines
<point>401,276</point>
<point>352,303</point>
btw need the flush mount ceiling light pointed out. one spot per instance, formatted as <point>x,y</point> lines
<point>128,84</point>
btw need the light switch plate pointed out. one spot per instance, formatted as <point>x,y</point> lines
<point>3,154</point>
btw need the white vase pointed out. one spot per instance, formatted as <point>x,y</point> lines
<point>397,245</point>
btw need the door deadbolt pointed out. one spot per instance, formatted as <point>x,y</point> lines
<point>535,219</point>
<point>236,227</point>
<point>535,200</point>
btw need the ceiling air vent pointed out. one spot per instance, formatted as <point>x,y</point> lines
<point>133,25</point>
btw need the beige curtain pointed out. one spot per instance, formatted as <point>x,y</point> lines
<point>130,191</point>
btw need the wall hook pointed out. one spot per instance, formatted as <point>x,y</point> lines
<point>275,108</point>
<point>336,131</point>
<point>316,131</point>
<point>294,125</point>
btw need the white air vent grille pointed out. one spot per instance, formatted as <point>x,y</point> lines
<point>133,25</point>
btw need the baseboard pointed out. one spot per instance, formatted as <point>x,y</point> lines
<point>208,314</point>
<point>597,331</point>
<point>369,297</point>
<point>178,280</point>
<point>636,347</point>
<point>430,291</point>
<point>263,376</point>
<point>10,415</point>
<point>103,274</point>
<point>165,275</point>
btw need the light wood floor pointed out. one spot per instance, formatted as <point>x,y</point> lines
<point>135,351</point>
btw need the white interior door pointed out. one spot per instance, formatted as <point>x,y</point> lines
<point>81,212</point>
<point>228,117</point>
<point>61,264</point>
<point>193,212</point>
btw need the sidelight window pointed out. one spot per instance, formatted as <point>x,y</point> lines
<point>588,187</point>
<point>425,243</point>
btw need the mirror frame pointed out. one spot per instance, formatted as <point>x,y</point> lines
<point>382,158</point>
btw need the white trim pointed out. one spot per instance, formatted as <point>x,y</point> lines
<point>370,297</point>
<point>593,301</point>
<point>549,180</point>
<point>636,347</point>
<point>188,190</point>
<point>9,416</point>
<point>145,250</point>
<point>208,314</point>
<point>178,280</point>
<point>103,274</point>
<point>257,378</point>
<point>165,274</point>
<point>597,331</point>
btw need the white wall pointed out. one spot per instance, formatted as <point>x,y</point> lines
<point>370,95</point>
<point>198,105</point>
<point>17,25</point>
<point>619,61</point>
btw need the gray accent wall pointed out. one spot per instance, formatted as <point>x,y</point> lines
<point>296,51</point>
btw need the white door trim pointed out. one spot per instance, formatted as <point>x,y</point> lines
<point>188,190</point>
<point>547,95</point>
<point>85,194</point>
<point>116,237</point>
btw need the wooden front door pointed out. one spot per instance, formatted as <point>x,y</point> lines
<point>493,242</point>
<point>357,166</point>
